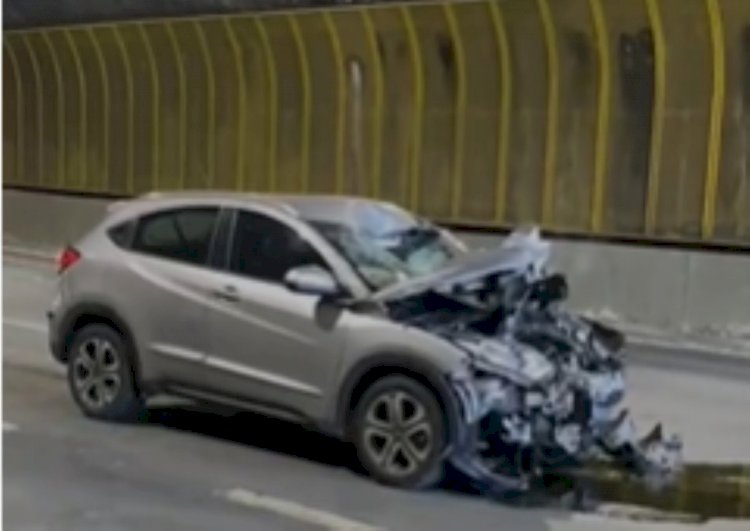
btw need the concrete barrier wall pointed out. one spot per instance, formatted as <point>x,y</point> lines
<point>666,289</point>
<point>674,290</point>
<point>46,222</point>
<point>624,117</point>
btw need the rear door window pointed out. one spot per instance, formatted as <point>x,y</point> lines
<point>184,235</point>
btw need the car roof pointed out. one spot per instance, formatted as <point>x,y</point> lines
<point>347,210</point>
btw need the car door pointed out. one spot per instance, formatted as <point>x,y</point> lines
<point>270,344</point>
<point>170,289</point>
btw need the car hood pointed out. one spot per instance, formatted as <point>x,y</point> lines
<point>522,252</point>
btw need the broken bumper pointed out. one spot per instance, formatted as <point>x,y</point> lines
<point>605,429</point>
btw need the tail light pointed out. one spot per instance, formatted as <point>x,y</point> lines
<point>67,258</point>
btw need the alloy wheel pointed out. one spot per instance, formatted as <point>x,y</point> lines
<point>397,433</point>
<point>96,373</point>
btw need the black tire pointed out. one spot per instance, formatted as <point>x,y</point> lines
<point>414,459</point>
<point>108,390</point>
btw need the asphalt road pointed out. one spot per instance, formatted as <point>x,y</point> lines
<point>188,469</point>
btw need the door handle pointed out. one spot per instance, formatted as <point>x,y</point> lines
<point>227,293</point>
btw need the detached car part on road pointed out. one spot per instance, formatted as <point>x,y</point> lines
<point>355,317</point>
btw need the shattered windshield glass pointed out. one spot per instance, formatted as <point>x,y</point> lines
<point>387,257</point>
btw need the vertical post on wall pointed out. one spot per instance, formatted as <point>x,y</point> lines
<point>742,118</point>
<point>129,112</point>
<point>241,102</point>
<point>553,104</point>
<point>338,56</point>
<point>182,103</point>
<point>106,184</point>
<point>304,66</point>
<point>155,95</point>
<point>60,91</point>
<point>210,104</point>
<point>11,54</point>
<point>506,102</point>
<point>716,27</point>
<point>601,150</point>
<point>273,100</point>
<point>418,108</point>
<point>459,111</point>
<point>82,101</point>
<point>377,108</point>
<point>357,123</point>
<point>39,105</point>
<point>657,119</point>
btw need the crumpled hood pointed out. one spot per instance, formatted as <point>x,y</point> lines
<point>521,252</point>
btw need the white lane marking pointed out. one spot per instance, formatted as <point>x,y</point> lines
<point>9,426</point>
<point>32,326</point>
<point>296,511</point>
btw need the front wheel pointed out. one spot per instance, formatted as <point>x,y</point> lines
<point>101,376</point>
<point>399,432</point>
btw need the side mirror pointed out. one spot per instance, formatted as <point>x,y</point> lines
<point>312,280</point>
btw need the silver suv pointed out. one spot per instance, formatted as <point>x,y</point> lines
<point>268,303</point>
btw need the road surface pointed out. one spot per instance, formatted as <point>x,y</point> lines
<point>186,469</point>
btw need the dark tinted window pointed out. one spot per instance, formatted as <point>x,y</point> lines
<point>183,235</point>
<point>265,249</point>
<point>122,234</point>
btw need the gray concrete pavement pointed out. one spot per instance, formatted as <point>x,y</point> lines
<point>183,468</point>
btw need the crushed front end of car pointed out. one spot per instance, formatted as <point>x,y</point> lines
<point>537,411</point>
<point>541,388</point>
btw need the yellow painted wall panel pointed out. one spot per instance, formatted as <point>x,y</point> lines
<point>624,117</point>
<point>26,113</point>
<point>529,116</point>
<point>225,109</point>
<point>398,72</point>
<point>11,106</point>
<point>144,122</point>
<point>113,122</point>
<point>483,111</point>
<point>631,42</point>
<point>74,119</point>
<point>433,193</point>
<point>290,129</point>
<point>733,200</point>
<point>579,71</point>
<point>323,100</point>
<point>94,148</point>
<point>686,125</point>
<point>362,75</point>
<point>256,134</point>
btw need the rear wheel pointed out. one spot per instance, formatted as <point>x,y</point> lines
<point>101,376</point>
<point>399,432</point>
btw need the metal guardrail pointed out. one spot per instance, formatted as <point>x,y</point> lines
<point>604,117</point>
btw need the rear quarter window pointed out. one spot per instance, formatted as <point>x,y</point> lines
<point>122,234</point>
